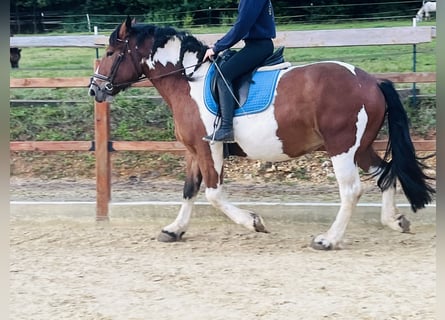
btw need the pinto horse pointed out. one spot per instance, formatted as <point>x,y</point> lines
<point>328,104</point>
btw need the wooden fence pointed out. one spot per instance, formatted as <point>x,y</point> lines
<point>102,144</point>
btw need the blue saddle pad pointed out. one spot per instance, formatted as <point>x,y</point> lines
<point>260,94</point>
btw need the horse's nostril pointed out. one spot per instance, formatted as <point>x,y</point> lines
<point>92,92</point>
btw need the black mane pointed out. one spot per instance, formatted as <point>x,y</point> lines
<point>161,36</point>
<point>141,31</point>
<point>188,42</point>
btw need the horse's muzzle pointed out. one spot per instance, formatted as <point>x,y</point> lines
<point>100,93</point>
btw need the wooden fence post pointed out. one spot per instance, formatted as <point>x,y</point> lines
<point>103,161</point>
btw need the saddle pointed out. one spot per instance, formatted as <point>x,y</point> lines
<point>242,84</point>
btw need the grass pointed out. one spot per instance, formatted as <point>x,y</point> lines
<point>134,117</point>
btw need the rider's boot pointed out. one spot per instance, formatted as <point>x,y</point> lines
<point>227,105</point>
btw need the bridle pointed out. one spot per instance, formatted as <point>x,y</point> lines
<point>109,85</point>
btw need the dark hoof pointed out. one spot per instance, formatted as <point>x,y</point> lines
<point>258,223</point>
<point>404,224</point>
<point>166,236</point>
<point>321,244</point>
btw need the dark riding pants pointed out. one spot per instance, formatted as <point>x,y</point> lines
<point>246,60</point>
<point>242,62</point>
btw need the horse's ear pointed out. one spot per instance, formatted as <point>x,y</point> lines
<point>129,22</point>
<point>133,22</point>
<point>125,28</point>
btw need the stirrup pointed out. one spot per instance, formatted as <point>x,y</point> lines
<point>227,138</point>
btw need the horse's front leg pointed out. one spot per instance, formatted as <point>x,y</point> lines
<point>175,231</point>
<point>246,218</point>
<point>216,196</point>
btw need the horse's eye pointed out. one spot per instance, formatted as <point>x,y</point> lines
<point>109,53</point>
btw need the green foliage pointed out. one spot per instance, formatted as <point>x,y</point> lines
<point>141,119</point>
<point>184,13</point>
<point>62,122</point>
<point>422,116</point>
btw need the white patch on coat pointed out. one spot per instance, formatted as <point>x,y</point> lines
<point>256,133</point>
<point>167,54</point>
<point>362,121</point>
<point>189,62</point>
<point>197,94</point>
<point>344,166</point>
<point>348,66</point>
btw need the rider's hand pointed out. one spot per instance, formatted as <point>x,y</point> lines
<point>209,54</point>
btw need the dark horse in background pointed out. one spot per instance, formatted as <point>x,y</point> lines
<point>327,104</point>
<point>14,57</point>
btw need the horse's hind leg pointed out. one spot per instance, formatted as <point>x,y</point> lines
<point>390,216</point>
<point>175,230</point>
<point>350,189</point>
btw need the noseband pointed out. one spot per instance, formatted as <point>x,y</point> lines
<point>110,85</point>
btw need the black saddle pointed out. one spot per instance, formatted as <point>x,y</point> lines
<point>241,85</point>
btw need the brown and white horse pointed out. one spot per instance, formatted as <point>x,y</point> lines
<point>330,104</point>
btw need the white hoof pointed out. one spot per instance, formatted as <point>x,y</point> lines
<point>322,243</point>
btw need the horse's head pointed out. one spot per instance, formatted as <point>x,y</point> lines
<point>419,16</point>
<point>122,64</point>
<point>14,57</point>
<point>135,50</point>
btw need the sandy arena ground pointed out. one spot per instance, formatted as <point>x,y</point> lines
<point>64,265</point>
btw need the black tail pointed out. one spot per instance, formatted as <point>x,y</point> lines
<point>404,163</point>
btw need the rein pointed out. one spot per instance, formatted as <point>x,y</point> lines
<point>144,77</point>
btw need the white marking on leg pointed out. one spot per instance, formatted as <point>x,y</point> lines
<point>218,158</point>
<point>350,190</point>
<point>242,217</point>
<point>390,213</point>
<point>346,173</point>
<point>180,225</point>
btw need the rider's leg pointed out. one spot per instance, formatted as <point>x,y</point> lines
<point>227,103</point>
<point>244,61</point>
